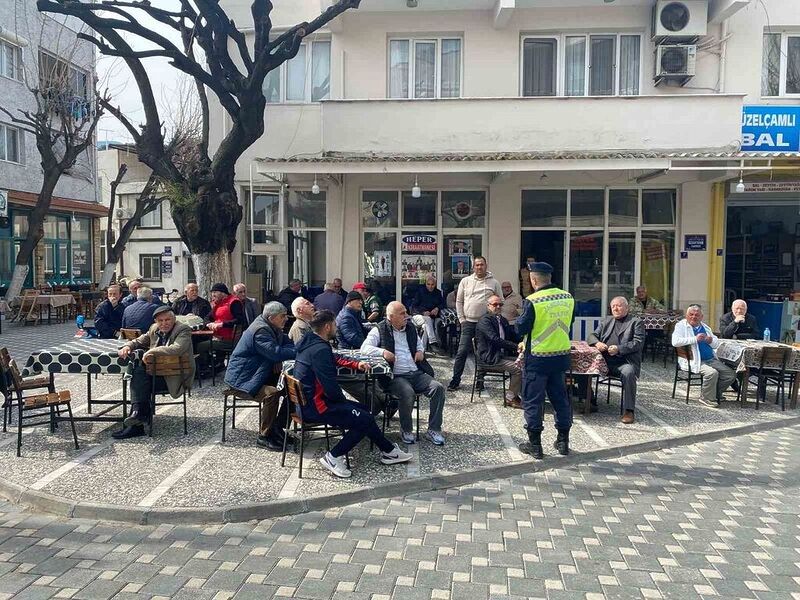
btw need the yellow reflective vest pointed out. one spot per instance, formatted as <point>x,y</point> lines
<point>549,334</point>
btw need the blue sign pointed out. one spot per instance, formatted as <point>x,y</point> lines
<point>771,129</point>
<point>694,242</point>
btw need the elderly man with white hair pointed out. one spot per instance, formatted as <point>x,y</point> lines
<point>303,311</point>
<point>620,338</point>
<point>738,324</point>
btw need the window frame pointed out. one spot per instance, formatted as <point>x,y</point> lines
<point>150,257</point>
<point>160,224</point>
<point>561,63</point>
<point>18,51</point>
<point>283,75</point>
<point>412,53</point>
<point>783,67</point>
<point>72,72</point>
<point>5,130</point>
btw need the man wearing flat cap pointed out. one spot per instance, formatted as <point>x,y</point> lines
<point>166,337</point>
<point>547,315</point>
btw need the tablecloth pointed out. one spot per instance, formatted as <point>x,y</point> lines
<point>587,360</point>
<point>659,320</point>
<point>747,354</point>
<point>379,365</point>
<point>82,355</point>
<point>55,300</point>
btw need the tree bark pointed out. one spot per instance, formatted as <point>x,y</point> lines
<point>107,274</point>
<point>211,268</point>
<point>17,281</point>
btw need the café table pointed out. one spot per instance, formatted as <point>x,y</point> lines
<point>586,362</point>
<point>659,320</point>
<point>51,301</point>
<point>91,356</point>
<point>744,355</point>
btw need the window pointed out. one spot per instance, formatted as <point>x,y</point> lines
<point>152,220</point>
<point>304,78</point>
<point>10,60</point>
<point>58,74</point>
<point>780,64</point>
<point>544,208</point>
<point>425,68</point>
<point>10,140</point>
<point>150,267</point>
<point>593,65</point>
<point>82,250</point>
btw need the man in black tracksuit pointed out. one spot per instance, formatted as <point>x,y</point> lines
<point>315,368</point>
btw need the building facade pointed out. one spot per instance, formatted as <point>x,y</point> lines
<point>604,138</point>
<point>33,49</point>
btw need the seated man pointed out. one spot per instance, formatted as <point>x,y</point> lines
<point>251,308</point>
<point>133,287</point>
<point>325,403</point>
<point>425,307</point>
<point>330,300</point>
<point>717,376</point>
<point>139,315</point>
<point>303,311</point>
<point>287,295</point>
<point>109,313</point>
<point>642,303</point>
<point>337,287</point>
<point>227,313</point>
<point>191,303</point>
<point>620,338</point>
<point>401,347</point>
<point>512,303</point>
<point>165,338</point>
<point>373,307</point>
<point>254,368</point>
<point>349,330</point>
<point>497,344</point>
<point>738,325</point>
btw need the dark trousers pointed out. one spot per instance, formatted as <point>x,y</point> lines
<point>357,423</point>
<point>627,374</point>
<point>142,389</point>
<point>464,348</point>
<point>545,374</point>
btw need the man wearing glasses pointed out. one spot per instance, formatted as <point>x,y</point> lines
<point>497,346</point>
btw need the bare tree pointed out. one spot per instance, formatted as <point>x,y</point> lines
<point>202,193</point>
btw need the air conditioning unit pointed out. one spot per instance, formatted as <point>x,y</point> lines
<point>121,213</point>
<point>675,61</point>
<point>680,19</point>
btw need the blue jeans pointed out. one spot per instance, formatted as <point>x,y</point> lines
<point>406,386</point>
<point>545,374</point>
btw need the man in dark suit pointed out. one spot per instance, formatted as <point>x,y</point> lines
<point>252,310</point>
<point>620,337</point>
<point>737,324</point>
<point>497,346</point>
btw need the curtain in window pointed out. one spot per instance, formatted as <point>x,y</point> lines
<point>575,66</point>
<point>272,85</point>
<point>451,68</point>
<point>793,65</point>
<point>771,65</point>
<point>296,77</point>
<point>320,71</point>
<point>424,69</point>
<point>629,49</point>
<point>398,68</point>
<point>601,62</point>
<point>539,61</point>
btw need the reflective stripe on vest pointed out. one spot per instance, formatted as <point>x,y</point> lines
<point>549,335</point>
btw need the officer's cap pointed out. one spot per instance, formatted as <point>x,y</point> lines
<point>540,267</point>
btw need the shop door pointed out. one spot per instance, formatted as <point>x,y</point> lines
<point>544,246</point>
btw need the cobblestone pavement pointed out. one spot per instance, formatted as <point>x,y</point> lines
<point>174,470</point>
<point>713,520</point>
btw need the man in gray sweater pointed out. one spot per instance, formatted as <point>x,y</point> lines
<point>472,297</point>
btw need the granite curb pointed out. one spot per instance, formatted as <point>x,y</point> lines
<point>47,503</point>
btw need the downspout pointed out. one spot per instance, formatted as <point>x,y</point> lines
<point>723,51</point>
<point>715,263</point>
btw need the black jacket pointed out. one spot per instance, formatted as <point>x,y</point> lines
<point>108,319</point>
<point>426,301</point>
<point>731,330</point>
<point>286,296</point>
<point>631,339</point>
<point>315,368</point>
<point>200,307</point>
<point>491,347</point>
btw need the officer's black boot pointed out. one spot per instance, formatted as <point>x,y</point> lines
<point>562,442</point>
<point>534,445</point>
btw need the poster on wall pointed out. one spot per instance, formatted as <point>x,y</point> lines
<point>460,247</point>
<point>383,263</point>
<point>418,244</point>
<point>413,266</point>
<point>79,258</point>
<point>166,267</point>
<point>461,265</point>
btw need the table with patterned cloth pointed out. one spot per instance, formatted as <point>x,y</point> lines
<point>746,354</point>
<point>378,365</point>
<point>91,356</point>
<point>50,301</point>
<point>587,363</point>
<point>659,320</point>
<point>448,316</point>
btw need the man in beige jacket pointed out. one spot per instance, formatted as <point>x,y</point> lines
<point>473,295</point>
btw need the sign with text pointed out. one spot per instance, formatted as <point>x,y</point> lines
<point>694,242</point>
<point>418,243</point>
<point>167,250</point>
<point>768,187</point>
<point>771,128</point>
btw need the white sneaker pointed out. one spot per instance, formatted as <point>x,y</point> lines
<point>709,403</point>
<point>335,465</point>
<point>408,437</point>
<point>395,456</point>
<point>436,437</point>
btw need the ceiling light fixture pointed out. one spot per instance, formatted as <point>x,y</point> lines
<point>740,185</point>
<point>416,192</point>
<point>315,187</point>
<point>411,3</point>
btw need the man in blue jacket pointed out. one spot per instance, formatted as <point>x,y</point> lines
<point>349,330</point>
<point>139,315</point>
<point>427,304</point>
<point>315,368</point>
<point>108,316</point>
<point>254,366</point>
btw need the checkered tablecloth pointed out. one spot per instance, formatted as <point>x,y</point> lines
<point>448,316</point>
<point>747,354</point>
<point>659,320</point>
<point>587,360</point>
<point>379,365</point>
<point>83,355</point>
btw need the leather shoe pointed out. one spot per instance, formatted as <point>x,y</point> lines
<point>628,418</point>
<point>452,386</point>
<point>515,403</point>
<point>132,431</point>
<point>270,444</point>
<point>134,419</point>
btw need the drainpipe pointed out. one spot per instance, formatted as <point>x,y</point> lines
<point>723,51</point>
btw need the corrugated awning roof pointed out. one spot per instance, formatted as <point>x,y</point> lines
<point>351,157</point>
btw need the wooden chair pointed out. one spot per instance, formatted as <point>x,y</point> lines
<point>46,407</point>
<point>27,306</point>
<point>775,376</point>
<point>130,334</point>
<point>691,378</point>
<point>484,372</point>
<point>167,366</point>
<point>237,399</point>
<point>295,418</point>
<point>17,385</point>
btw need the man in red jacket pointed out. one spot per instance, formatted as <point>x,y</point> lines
<point>226,314</point>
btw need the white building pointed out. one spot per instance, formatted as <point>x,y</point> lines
<point>602,137</point>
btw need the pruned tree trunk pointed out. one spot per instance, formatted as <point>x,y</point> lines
<point>17,281</point>
<point>107,275</point>
<point>211,268</point>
